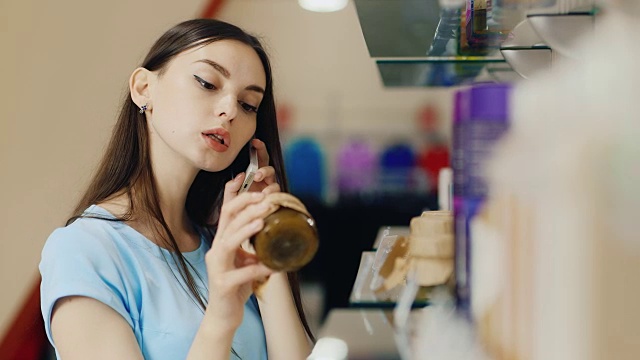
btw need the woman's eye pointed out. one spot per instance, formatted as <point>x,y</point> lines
<point>248,108</point>
<point>203,83</point>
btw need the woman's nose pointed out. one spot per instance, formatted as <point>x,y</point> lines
<point>226,108</point>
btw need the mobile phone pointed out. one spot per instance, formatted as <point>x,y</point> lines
<point>251,170</point>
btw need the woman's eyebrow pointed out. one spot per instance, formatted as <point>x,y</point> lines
<point>255,88</point>
<point>222,70</point>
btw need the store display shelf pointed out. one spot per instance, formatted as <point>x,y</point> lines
<point>433,70</point>
<point>418,43</point>
<point>362,296</point>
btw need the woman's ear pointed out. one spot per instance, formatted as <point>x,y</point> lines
<point>140,84</point>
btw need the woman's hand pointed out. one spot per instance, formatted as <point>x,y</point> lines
<point>265,178</point>
<point>232,270</point>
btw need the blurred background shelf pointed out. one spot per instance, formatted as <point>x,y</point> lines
<point>363,297</point>
<point>348,228</point>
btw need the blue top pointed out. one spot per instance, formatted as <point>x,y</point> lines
<point>116,265</point>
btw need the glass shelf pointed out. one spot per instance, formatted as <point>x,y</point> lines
<point>363,297</point>
<point>398,28</point>
<point>433,71</point>
<point>416,43</point>
<point>501,72</point>
<point>415,28</point>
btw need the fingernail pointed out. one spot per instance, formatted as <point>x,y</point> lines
<point>238,176</point>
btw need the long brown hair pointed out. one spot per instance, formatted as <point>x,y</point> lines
<point>126,165</point>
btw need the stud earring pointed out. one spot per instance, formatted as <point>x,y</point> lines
<point>143,108</point>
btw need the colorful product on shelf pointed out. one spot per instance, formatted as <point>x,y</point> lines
<point>397,164</point>
<point>481,33</point>
<point>357,168</point>
<point>480,119</point>
<point>432,159</point>
<point>305,164</point>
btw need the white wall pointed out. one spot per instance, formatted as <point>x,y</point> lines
<point>64,68</point>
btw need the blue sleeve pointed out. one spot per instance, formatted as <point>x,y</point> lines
<point>82,263</point>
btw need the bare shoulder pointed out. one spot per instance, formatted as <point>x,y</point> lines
<point>84,328</point>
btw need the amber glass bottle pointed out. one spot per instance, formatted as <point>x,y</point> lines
<point>289,239</point>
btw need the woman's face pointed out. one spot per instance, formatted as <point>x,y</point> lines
<point>204,106</point>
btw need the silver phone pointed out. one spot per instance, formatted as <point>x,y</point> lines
<point>251,170</point>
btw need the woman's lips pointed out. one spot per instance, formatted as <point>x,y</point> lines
<point>217,139</point>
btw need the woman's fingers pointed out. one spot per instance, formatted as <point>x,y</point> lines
<point>235,204</point>
<point>273,188</point>
<point>263,154</point>
<point>238,229</point>
<point>227,241</point>
<point>266,174</point>
<point>246,274</point>
<point>230,192</point>
<point>232,186</point>
<point>235,235</point>
<point>242,215</point>
<point>264,177</point>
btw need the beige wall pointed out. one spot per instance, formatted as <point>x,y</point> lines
<point>323,67</point>
<point>64,68</point>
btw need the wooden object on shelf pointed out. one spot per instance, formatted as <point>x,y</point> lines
<point>395,267</point>
<point>431,247</point>
<point>427,252</point>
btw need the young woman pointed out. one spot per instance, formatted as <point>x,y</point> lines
<point>149,266</point>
